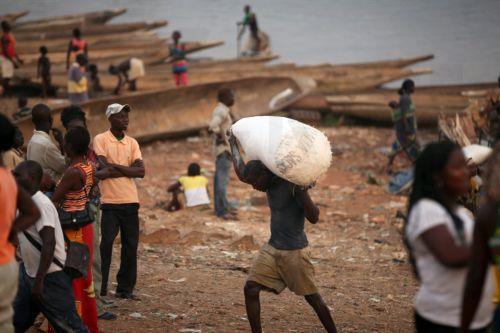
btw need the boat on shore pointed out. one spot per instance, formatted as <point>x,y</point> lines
<point>14,16</point>
<point>178,112</point>
<point>98,17</point>
<point>89,30</point>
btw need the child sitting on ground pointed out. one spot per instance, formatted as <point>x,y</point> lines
<point>194,186</point>
<point>23,109</point>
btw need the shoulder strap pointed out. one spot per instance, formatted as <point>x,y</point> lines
<point>39,248</point>
<point>83,175</point>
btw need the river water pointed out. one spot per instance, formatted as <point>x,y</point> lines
<point>463,35</point>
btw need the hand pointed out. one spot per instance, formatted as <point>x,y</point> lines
<point>15,65</point>
<point>103,173</point>
<point>219,139</point>
<point>232,139</point>
<point>37,290</point>
<point>56,132</point>
<point>13,237</point>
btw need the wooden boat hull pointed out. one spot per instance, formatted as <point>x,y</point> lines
<point>99,17</point>
<point>177,112</point>
<point>374,106</point>
<point>90,30</point>
<point>12,17</point>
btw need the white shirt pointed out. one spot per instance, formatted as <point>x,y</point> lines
<point>43,150</point>
<point>49,218</point>
<point>221,122</point>
<point>439,298</point>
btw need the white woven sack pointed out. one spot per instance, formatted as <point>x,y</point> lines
<point>292,150</point>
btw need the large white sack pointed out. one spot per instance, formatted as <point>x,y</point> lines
<point>477,153</point>
<point>292,150</point>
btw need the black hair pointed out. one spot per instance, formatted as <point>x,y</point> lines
<point>43,49</point>
<point>70,113</point>
<point>22,101</point>
<point>254,167</point>
<point>176,33</point>
<point>194,169</point>
<point>406,86</point>
<point>93,68</point>
<point>432,160</point>
<point>39,113</point>
<point>7,133</point>
<point>81,59</point>
<point>79,138</point>
<point>34,170</point>
<point>223,93</point>
<point>77,33</point>
<point>6,26</point>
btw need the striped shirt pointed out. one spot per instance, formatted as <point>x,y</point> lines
<point>77,199</point>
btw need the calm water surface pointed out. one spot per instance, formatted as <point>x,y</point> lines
<point>464,35</point>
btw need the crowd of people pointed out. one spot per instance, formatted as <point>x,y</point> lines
<point>72,189</point>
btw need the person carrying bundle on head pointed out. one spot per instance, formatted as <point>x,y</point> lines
<point>284,261</point>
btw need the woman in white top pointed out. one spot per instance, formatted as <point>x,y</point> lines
<point>439,235</point>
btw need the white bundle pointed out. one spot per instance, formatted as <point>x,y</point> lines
<point>292,150</point>
<point>477,153</point>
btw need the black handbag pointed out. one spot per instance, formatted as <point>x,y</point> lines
<point>78,219</point>
<point>77,257</point>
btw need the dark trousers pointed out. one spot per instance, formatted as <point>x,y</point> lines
<point>223,165</point>
<point>58,304</point>
<point>125,219</point>
<point>423,325</point>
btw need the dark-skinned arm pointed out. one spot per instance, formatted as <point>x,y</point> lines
<point>238,163</point>
<point>47,235</point>
<point>71,180</point>
<point>106,170</point>
<point>442,245</point>
<point>173,187</point>
<point>479,266</point>
<point>135,170</point>
<point>304,199</point>
<point>28,214</point>
<point>67,55</point>
<point>119,85</point>
<point>404,109</point>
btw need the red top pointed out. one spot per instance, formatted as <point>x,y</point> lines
<point>78,44</point>
<point>10,50</point>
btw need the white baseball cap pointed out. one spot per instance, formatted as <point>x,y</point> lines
<point>116,108</point>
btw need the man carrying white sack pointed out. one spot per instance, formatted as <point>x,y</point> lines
<point>284,260</point>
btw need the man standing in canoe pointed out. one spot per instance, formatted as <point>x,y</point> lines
<point>250,19</point>
<point>128,72</point>
<point>8,58</point>
<point>284,261</point>
<point>179,63</point>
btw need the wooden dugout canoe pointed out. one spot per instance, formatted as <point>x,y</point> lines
<point>318,101</point>
<point>149,56</point>
<point>99,17</point>
<point>123,40</point>
<point>90,30</point>
<point>177,112</point>
<point>375,106</point>
<point>14,16</point>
